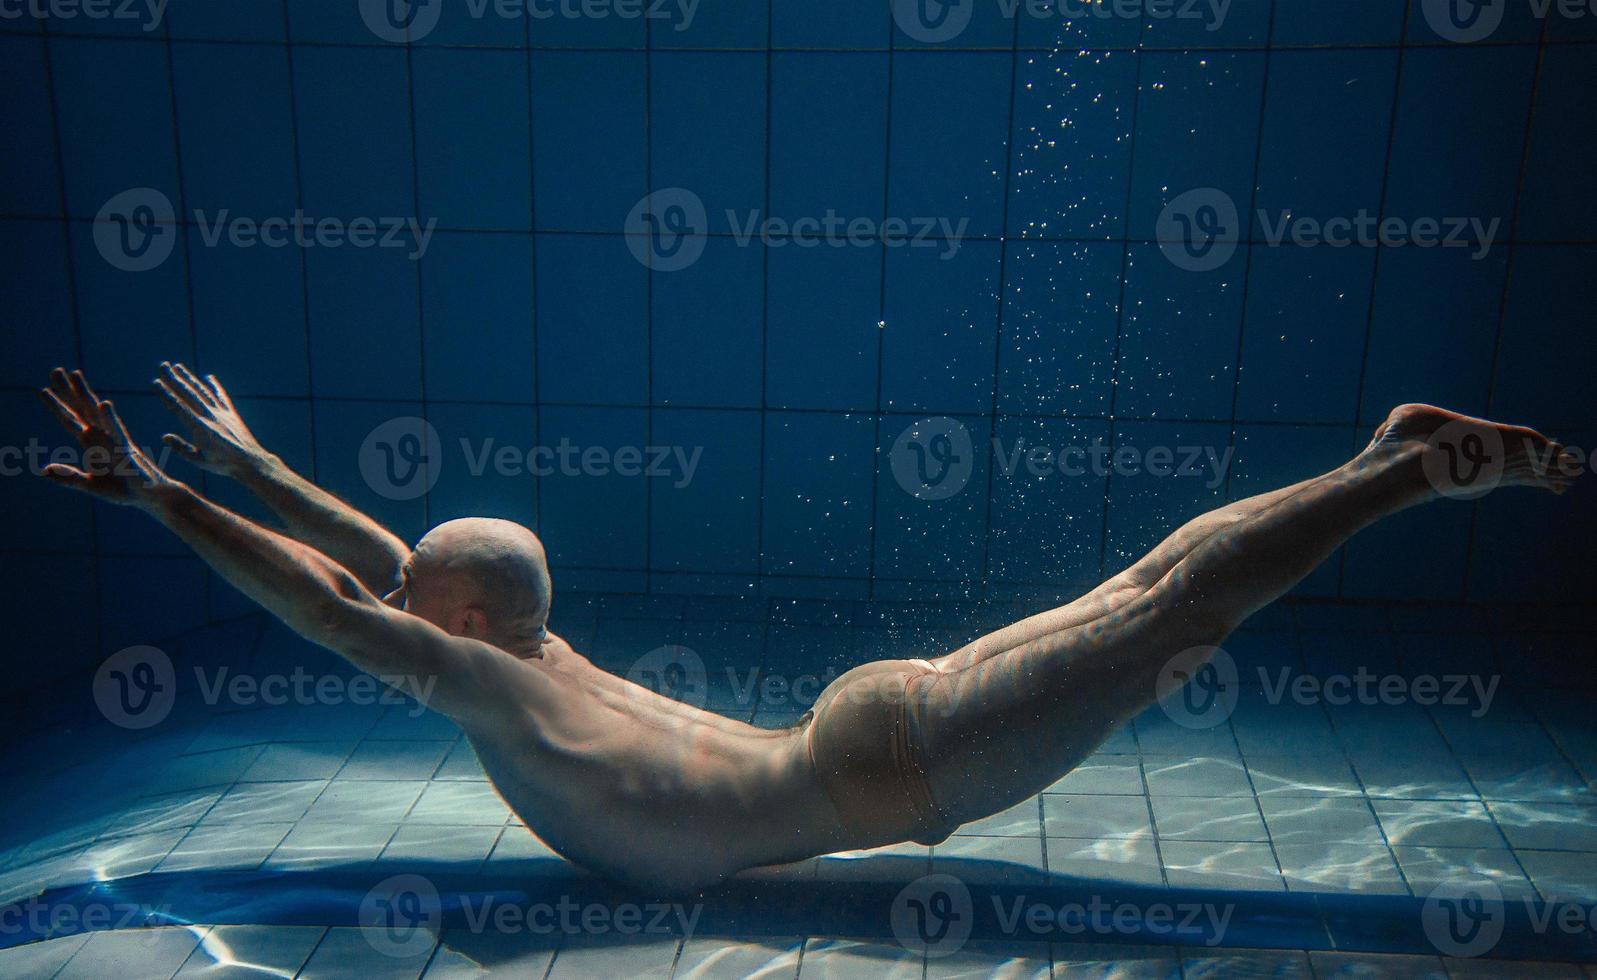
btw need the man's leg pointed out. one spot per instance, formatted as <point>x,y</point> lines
<point>1004,727</point>
<point>1122,588</point>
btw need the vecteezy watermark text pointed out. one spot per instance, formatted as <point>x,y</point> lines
<point>402,459</point>
<point>1201,687</point>
<point>398,21</point>
<point>136,688</point>
<point>1200,231</point>
<point>941,21</point>
<point>401,915</point>
<point>148,13</point>
<point>668,229</point>
<point>935,915</point>
<point>137,230</point>
<point>935,458</point>
<point>41,918</point>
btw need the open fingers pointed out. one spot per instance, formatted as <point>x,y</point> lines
<point>80,384</point>
<point>61,386</point>
<point>179,383</point>
<point>62,411</point>
<point>116,427</point>
<point>179,401</point>
<point>200,389</point>
<point>221,394</point>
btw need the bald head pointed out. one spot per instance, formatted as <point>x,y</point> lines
<point>481,577</point>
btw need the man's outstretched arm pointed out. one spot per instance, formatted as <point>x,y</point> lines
<point>314,595</point>
<point>219,442</point>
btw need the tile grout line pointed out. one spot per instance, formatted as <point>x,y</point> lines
<point>1508,279</point>
<point>304,259</point>
<point>1001,299</point>
<point>207,589</point>
<point>648,302</point>
<point>1375,266</point>
<point>1120,299</point>
<point>536,291</point>
<point>1247,263</point>
<point>70,266</point>
<point>881,315</point>
<point>421,301</point>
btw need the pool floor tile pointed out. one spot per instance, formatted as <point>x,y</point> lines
<point>344,846</point>
<point>1438,823</point>
<point>992,860</point>
<point>1021,820</point>
<point>1340,868</point>
<point>461,849</point>
<point>847,959</point>
<point>1123,962</point>
<point>1561,875</point>
<point>1219,865</point>
<point>346,952</point>
<point>1347,966</point>
<point>1133,862</point>
<point>1332,820</point>
<point>615,956</point>
<point>1427,868</point>
<point>1208,818</point>
<point>1195,776</point>
<point>1092,817</point>
<point>40,960</point>
<point>243,951</point>
<point>131,954</point>
<point>226,846</point>
<point>716,958</point>
<point>1102,775</point>
<point>1004,961</point>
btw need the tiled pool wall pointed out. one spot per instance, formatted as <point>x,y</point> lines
<point>1057,320</point>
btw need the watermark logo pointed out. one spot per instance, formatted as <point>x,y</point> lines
<point>401,458</point>
<point>136,687</point>
<point>667,230</point>
<point>672,671</point>
<point>933,459</point>
<point>398,21</point>
<point>934,915</point>
<point>136,229</point>
<point>1199,687</point>
<point>1198,231</point>
<point>400,916</point>
<point>1464,460</point>
<point>1465,21</point>
<point>1464,918</point>
<point>933,21</point>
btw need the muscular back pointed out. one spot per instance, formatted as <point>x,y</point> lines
<point>645,789</point>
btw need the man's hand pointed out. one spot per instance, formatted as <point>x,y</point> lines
<point>113,467</point>
<point>218,441</point>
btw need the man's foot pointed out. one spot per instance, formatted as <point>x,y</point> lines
<point>1465,456</point>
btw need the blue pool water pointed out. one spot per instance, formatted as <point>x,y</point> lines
<point>805,334</point>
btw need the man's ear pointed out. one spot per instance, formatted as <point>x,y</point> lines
<point>472,622</point>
